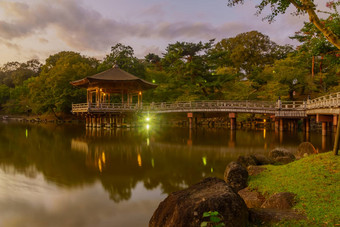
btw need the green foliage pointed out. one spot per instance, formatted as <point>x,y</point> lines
<point>52,90</point>
<point>250,51</point>
<point>315,181</point>
<point>187,65</point>
<point>215,219</point>
<point>4,94</point>
<point>123,57</point>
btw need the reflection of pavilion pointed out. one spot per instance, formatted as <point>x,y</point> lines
<point>103,89</point>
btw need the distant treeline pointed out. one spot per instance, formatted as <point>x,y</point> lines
<point>248,66</point>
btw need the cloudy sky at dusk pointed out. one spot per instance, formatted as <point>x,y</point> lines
<point>38,28</point>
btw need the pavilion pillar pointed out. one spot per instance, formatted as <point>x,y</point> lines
<point>140,101</point>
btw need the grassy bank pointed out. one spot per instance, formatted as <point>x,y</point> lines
<point>316,182</point>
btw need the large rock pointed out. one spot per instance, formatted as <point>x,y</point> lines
<point>253,199</point>
<point>236,176</point>
<point>186,207</point>
<point>282,200</point>
<point>281,155</point>
<point>305,149</point>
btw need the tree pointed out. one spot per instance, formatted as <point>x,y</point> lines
<point>189,69</point>
<point>4,94</point>
<point>14,73</point>
<point>302,7</point>
<point>123,57</point>
<point>249,51</point>
<point>51,90</point>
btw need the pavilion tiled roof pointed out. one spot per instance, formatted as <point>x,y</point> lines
<point>115,74</point>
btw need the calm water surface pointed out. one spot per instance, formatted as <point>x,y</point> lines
<point>68,176</point>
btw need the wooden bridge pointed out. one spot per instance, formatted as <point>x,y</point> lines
<point>325,108</point>
<point>284,108</point>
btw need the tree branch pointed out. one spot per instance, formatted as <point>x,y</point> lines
<point>308,7</point>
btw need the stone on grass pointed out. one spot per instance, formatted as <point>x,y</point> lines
<point>281,200</point>
<point>253,199</point>
<point>305,149</point>
<point>236,176</point>
<point>260,159</point>
<point>255,170</point>
<point>186,207</point>
<point>265,216</point>
<point>246,161</point>
<point>281,155</point>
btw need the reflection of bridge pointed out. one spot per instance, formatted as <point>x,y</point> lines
<point>325,108</point>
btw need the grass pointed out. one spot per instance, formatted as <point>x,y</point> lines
<point>316,182</point>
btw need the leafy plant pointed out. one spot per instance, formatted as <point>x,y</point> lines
<point>215,219</point>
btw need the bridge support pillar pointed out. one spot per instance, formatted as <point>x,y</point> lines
<point>99,121</point>
<point>335,122</point>
<point>232,117</point>
<point>277,125</point>
<point>324,128</point>
<point>324,119</point>
<point>306,122</point>
<point>190,116</point>
<point>281,124</point>
<point>87,120</point>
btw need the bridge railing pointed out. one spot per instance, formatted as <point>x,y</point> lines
<point>93,107</point>
<point>292,105</point>
<point>331,100</point>
<point>213,104</point>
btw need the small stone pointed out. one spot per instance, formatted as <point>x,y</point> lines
<point>260,159</point>
<point>246,161</point>
<point>255,170</point>
<point>253,199</point>
<point>282,200</point>
<point>281,155</point>
<point>305,149</point>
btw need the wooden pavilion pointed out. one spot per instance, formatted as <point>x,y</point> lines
<point>100,88</point>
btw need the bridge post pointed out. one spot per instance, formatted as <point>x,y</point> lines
<point>335,122</point>
<point>232,117</point>
<point>277,125</point>
<point>87,119</point>
<point>307,124</point>
<point>324,128</point>
<point>281,124</point>
<point>190,116</point>
<point>324,119</point>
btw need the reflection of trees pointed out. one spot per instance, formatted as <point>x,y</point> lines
<point>119,159</point>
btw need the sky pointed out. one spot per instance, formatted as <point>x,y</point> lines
<point>36,29</point>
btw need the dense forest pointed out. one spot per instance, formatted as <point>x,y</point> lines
<point>248,66</point>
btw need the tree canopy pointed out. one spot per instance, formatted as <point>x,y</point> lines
<point>325,26</point>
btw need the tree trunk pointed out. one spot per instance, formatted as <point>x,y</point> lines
<point>330,36</point>
<point>337,135</point>
<point>313,63</point>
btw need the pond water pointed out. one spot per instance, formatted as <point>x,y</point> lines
<point>68,175</point>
